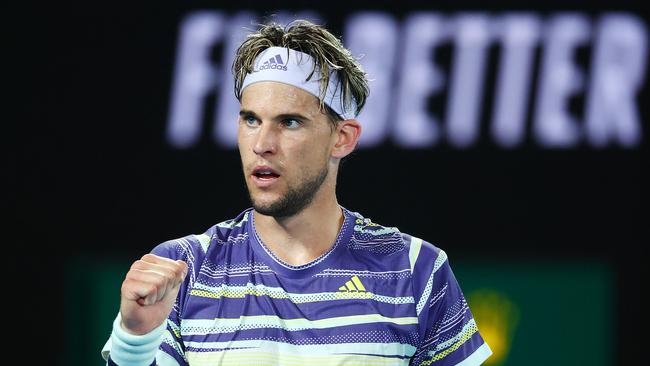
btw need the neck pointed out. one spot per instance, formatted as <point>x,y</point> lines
<point>301,238</point>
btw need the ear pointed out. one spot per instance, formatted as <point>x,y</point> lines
<point>346,137</point>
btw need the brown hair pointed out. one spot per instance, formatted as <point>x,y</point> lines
<point>316,41</point>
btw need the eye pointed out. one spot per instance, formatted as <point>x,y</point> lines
<point>291,123</point>
<point>250,121</point>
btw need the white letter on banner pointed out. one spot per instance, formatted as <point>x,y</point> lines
<point>194,78</point>
<point>518,33</point>
<point>560,79</point>
<point>227,109</point>
<point>373,37</point>
<point>419,78</point>
<point>618,70</point>
<point>472,36</point>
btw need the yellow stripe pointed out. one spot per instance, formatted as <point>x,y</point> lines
<point>357,282</point>
<point>350,286</point>
<point>455,346</point>
<point>251,292</point>
<point>239,292</point>
<point>354,295</point>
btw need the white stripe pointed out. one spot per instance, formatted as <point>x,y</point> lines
<point>229,224</point>
<point>204,240</point>
<point>163,359</point>
<point>229,325</point>
<point>232,240</point>
<point>450,342</point>
<point>376,232</point>
<point>478,357</point>
<point>384,349</point>
<point>169,339</point>
<point>187,250</point>
<point>442,257</point>
<point>439,295</point>
<point>351,271</point>
<point>227,271</point>
<point>414,250</point>
<point>399,274</point>
<point>244,274</point>
<point>243,268</point>
<point>454,320</point>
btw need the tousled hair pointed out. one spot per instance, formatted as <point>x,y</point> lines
<point>316,41</point>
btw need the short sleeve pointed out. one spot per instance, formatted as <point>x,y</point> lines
<point>448,332</point>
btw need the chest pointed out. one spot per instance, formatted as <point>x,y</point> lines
<point>334,314</point>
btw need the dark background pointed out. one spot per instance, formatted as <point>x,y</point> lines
<point>90,175</point>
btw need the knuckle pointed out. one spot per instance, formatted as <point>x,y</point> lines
<point>148,257</point>
<point>139,264</point>
<point>180,267</point>
<point>178,271</point>
<point>183,265</point>
<point>164,279</point>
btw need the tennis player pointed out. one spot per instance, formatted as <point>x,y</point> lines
<point>296,279</point>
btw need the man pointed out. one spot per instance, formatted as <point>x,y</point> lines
<point>297,278</point>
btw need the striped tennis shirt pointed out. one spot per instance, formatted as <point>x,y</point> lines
<point>377,297</point>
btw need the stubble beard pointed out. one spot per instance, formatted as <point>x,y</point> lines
<point>296,198</point>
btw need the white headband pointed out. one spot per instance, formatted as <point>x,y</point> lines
<point>272,64</point>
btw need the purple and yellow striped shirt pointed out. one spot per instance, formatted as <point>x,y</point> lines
<point>377,297</point>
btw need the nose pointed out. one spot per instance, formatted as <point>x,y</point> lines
<point>265,140</point>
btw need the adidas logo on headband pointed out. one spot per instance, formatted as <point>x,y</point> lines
<point>274,62</point>
<point>298,70</point>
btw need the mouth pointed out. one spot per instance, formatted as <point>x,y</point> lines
<point>263,176</point>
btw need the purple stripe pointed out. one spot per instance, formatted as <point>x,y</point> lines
<point>206,308</point>
<point>374,333</point>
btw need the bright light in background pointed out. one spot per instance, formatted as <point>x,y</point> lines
<point>497,317</point>
<point>538,312</point>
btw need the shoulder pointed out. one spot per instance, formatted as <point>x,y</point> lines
<point>389,240</point>
<point>368,236</point>
<point>197,245</point>
<point>424,255</point>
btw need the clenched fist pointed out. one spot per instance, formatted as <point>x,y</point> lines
<point>149,291</point>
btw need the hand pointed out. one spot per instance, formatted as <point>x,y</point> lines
<point>149,292</point>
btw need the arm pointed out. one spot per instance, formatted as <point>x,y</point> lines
<point>148,296</point>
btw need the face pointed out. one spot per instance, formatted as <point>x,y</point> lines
<point>285,143</point>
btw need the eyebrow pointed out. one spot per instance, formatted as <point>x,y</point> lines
<point>246,113</point>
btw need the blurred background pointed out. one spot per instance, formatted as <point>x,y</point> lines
<point>513,135</point>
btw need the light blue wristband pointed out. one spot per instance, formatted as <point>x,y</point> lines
<point>135,350</point>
